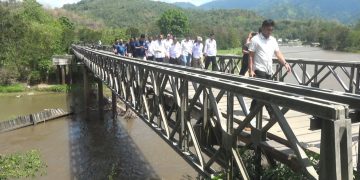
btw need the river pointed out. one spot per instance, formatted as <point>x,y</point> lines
<point>86,147</point>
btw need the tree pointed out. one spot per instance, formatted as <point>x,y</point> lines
<point>175,22</point>
<point>133,32</point>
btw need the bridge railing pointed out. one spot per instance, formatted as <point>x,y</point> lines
<point>331,95</point>
<point>308,72</point>
<point>129,79</point>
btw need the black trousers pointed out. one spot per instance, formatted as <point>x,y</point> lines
<point>211,59</point>
<point>159,59</point>
<point>244,64</point>
<point>150,58</point>
<point>262,75</point>
<point>174,61</point>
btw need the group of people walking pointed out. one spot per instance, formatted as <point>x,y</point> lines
<point>258,52</point>
<point>186,52</point>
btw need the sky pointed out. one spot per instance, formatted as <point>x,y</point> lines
<point>60,3</point>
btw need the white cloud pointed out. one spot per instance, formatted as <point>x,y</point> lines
<point>60,3</point>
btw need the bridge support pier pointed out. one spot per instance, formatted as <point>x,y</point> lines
<point>114,107</point>
<point>100,98</point>
<point>86,87</point>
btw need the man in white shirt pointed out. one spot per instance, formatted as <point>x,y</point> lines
<point>261,51</point>
<point>175,52</point>
<point>168,42</point>
<point>150,50</point>
<point>186,45</point>
<point>159,49</point>
<point>197,52</point>
<point>210,51</point>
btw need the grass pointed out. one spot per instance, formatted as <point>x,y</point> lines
<point>233,51</point>
<point>54,88</point>
<point>12,88</point>
<point>16,88</point>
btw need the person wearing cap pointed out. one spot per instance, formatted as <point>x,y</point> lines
<point>210,52</point>
<point>159,49</point>
<point>197,53</point>
<point>186,46</point>
<point>175,52</point>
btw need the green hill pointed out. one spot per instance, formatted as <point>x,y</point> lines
<point>230,25</point>
<point>143,15</point>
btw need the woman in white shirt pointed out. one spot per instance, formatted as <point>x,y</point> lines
<point>197,52</point>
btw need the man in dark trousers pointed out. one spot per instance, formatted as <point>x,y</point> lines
<point>261,51</point>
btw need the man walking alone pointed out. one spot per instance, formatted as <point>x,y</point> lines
<point>261,51</point>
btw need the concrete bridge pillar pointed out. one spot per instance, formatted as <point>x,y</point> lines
<point>114,107</point>
<point>100,98</point>
<point>86,87</point>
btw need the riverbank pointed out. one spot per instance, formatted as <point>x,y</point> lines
<point>18,88</point>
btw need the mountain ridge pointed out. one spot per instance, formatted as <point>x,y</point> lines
<point>345,11</point>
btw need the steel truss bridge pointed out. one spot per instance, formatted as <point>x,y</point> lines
<point>203,115</point>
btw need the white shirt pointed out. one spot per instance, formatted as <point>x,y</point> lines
<point>175,50</point>
<point>264,50</point>
<point>150,50</point>
<point>159,49</point>
<point>168,43</point>
<point>210,47</point>
<point>187,47</point>
<point>198,50</point>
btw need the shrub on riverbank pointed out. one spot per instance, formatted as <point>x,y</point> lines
<point>41,88</point>
<point>12,88</point>
<point>21,165</point>
<point>54,88</point>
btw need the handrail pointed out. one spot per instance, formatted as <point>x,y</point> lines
<point>341,97</point>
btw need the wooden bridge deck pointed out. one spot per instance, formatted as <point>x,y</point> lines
<point>299,123</point>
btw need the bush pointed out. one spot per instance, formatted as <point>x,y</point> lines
<point>35,78</point>
<point>24,165</point>
<point>7,77</point>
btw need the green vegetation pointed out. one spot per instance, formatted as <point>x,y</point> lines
<point>21,165</point>
<point>54,88</point>
<point>174,21</point>
<point>232,51</point>
<point>231,26</point>
<point>31,35</point>
<point>12,88</point>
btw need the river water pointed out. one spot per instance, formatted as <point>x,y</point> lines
<point>84,146</point>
